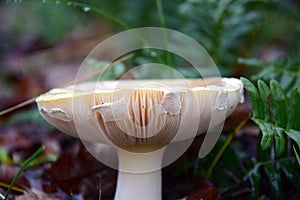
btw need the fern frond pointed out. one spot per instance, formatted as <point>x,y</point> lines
<point>276,115</point>
<point>278,118</point>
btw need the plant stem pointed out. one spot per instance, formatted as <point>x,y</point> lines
<point>226,144</point>
<point>160,13</point>
<point>23,167</point>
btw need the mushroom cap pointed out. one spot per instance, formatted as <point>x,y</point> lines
<point>138,112</point>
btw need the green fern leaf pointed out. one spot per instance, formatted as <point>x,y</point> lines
<point>265,95</point>
<point>275,114</point>
<point>254,97</point>
<point>278,102</point>
<point>267,133</point>
<point>294,135</point>
<point>279,141</point>
<point>294,110</point>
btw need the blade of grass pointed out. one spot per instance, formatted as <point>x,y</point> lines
<point>297,156</point>
<point>163,24</point>
<point>23,167</point>
<point>160,13</point>
<point>226,144</point>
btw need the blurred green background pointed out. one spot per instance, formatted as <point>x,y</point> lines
<point>228,29</point>
<point>37,36</point>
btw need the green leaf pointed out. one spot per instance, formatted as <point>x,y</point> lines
<point>274,179</point>
<point>294,135</point>
<point>254,96</point>
<point>265,94</point>
<point>270,131</point>
<point>278,102</point>
<point>297,156</point>
<point>294,111</point>
<point>297,83</point>
<point>4,157</point>
<point>267,133</point>
<point>268,73</point>
<point>262,155</point>
<point>286,81</point>
<point>252,62</point>
<point>279,141</point>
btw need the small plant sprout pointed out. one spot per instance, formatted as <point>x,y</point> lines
<point>140,119</point>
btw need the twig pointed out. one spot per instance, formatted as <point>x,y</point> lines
<point>30,101</point>
<point>20,105</point>
<point>14,188</point>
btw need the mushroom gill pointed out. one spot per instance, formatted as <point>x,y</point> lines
<point>127,112</point>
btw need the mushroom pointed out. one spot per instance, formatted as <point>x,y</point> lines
<point>140,119</point>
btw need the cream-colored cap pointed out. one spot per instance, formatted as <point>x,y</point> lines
<point>137,112</point>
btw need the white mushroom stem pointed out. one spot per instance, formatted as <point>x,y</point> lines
<point>139,186</point>
<point>139,175</point>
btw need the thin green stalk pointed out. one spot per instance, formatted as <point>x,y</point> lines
<point>226,144</point>
<point>160,13</point>
<point>297,156</point>
<point>23,167</point>
<point>163,24</point>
